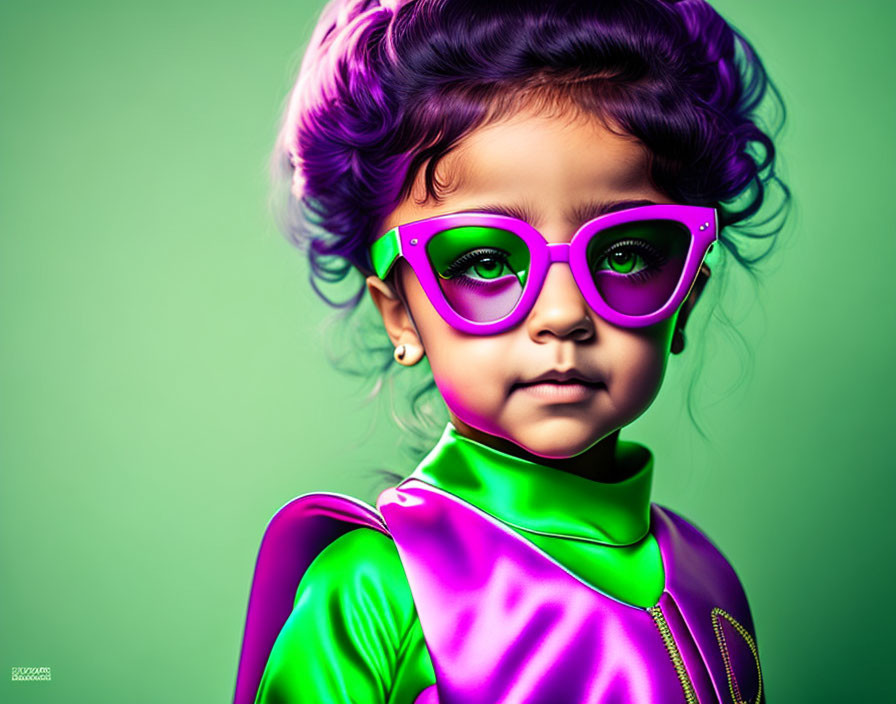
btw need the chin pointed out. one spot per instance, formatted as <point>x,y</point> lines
<point>550,442</point>
<point>556,438</point>
<point>554,451</point>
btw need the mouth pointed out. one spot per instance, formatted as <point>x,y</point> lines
<point>568,387</point>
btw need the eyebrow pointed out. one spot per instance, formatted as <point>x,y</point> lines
<point>576,216</point>
<point>521,211</point>
<point>595,209</point>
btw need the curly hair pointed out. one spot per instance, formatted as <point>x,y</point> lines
<point>389,87</point>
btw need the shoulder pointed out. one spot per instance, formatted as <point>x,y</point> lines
<point>695,566</point>
<point>680,528</point>
<point>359,576</point>
<point>680,531</point>
<point>327,581</point>
<point>363,557</point>
<point>688,550</point>
<point>350,626</point>
<point>322,548</point>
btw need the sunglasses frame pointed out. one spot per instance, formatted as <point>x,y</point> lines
<point>410,240</point>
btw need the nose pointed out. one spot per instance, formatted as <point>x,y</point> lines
<point>560,310</point>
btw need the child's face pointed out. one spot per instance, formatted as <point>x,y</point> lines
<point>553,170</point>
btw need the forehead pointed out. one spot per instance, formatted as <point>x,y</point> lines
<point>552,167</point>
<point>544,147</point>
<point>531,155</point>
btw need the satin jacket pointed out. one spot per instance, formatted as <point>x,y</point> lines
<point>505,624</point>
<point>502,620</point>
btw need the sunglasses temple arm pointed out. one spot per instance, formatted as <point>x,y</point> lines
<point>384,251</point>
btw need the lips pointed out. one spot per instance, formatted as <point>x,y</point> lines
<point>570,391</point>
<point>554,376</point>
<point>554,386</point>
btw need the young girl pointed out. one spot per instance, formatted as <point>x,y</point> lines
<point>531,190</point>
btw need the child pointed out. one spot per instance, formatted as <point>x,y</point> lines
<point>531,189</point>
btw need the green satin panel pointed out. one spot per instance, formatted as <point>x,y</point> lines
<point>623,561</point>
<point>542,498</point>
<point>354,637</point>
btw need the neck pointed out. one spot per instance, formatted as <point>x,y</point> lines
<point>598,463</point>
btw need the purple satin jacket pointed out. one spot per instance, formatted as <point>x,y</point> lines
<point>506,624</point>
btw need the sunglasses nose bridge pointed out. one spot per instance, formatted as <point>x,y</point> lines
<point>558,252</point>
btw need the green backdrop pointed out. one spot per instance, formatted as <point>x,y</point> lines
<point>163,387</point>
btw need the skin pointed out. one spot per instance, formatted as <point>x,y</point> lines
<point>550,167</point>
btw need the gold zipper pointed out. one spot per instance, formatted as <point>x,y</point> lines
<point>660,620</point>
<point>726,656</point>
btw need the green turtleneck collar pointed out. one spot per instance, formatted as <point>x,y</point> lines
<point>543,500</point>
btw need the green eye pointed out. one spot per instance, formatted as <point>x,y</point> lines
<point>624,261</point>
<point>628,257</point>
<point>483,264</point>
<point>489,268</point>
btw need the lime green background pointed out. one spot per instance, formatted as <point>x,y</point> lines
<point>164,387</point>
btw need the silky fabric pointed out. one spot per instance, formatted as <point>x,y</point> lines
<point>292,542</point>
<point>598,530</point>
<point>354,634</point>
<point>538,498</point>
<point>505,624</point>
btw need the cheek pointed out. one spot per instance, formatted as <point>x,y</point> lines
<point>459,363</point>
<point>472,384</point>
<point>467,369</point>
<point>640,366</point>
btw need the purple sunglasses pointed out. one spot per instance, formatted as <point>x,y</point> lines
<point>483,272</point>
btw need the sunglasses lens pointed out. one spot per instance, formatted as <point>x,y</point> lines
<point>636,266</point>
<point>481,270</point>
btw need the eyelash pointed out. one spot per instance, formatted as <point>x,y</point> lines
<point>652,256</point>
<point>462,263</point>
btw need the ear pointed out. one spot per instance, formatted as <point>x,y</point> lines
<point>687,307</point>
<point>396,317</point>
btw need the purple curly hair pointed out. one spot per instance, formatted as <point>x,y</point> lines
<point>389,87</point>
